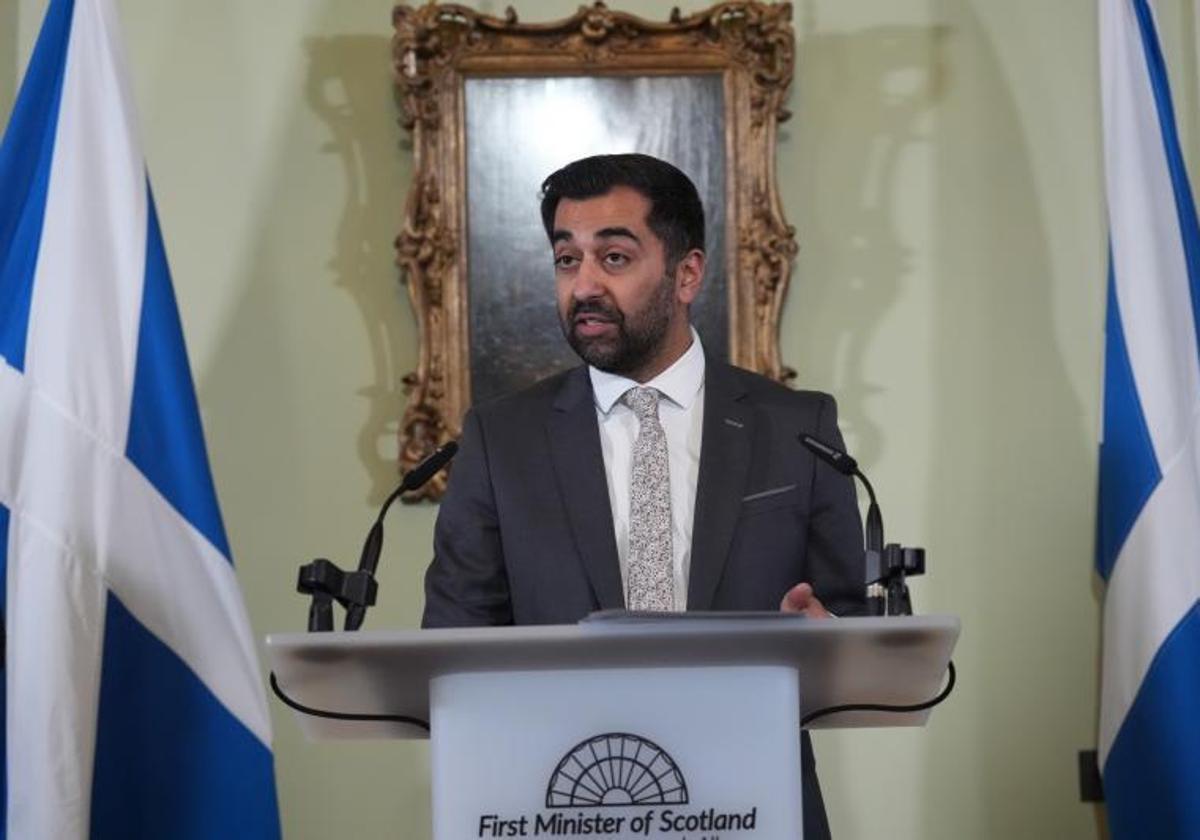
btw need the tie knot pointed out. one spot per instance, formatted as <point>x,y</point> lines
<point>643,401</point>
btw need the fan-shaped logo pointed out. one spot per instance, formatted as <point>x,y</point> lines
<point>616,769</point>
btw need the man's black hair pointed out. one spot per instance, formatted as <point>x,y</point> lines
<point>676,214</point>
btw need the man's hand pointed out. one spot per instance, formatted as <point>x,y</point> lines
<point>800,599</point>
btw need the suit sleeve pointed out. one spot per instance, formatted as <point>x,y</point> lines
<point>836,559</point>
<point>466,585</point>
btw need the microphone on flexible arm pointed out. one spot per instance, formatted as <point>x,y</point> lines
<point>413,479</point>
<point>356,590</point>
<point>886,564</point>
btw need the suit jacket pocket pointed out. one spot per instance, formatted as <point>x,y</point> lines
<point>770,498</point>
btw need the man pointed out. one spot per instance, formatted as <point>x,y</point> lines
<point>653,477</point>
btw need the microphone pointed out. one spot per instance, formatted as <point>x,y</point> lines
<point>369,558</point>
<point>836,458</point>
<point>416,478</point>
<point>886,565</point>
<point>843,463</point>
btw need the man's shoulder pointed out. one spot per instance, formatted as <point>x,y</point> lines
<point>764,390</point>
<point>538,397</point>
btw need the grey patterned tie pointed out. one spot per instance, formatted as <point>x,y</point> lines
<point>650,574</point>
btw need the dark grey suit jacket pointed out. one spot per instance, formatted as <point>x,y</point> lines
<point>525,533</point>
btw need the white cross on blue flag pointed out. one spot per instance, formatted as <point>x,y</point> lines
<point>133,700</point>
<point>1148,523</point>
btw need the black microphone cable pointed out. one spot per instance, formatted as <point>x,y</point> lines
<point>804,721</point>
<point>324,713</point>
<point>887,707</point>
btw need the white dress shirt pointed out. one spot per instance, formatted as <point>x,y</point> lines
<point>682,416</point>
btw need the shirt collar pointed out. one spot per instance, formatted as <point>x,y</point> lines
<point>680,383</point>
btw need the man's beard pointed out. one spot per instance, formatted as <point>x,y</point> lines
<point>639,336</point>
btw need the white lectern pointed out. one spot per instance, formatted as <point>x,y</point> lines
<point>620,726</point>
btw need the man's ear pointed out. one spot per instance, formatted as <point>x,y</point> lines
<point>689,276</point>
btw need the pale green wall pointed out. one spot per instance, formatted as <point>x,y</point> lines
<point>8,54</point>
<point>943,171</point>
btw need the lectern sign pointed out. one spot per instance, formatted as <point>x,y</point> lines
<point>619,785</point>
<point>679,753</point>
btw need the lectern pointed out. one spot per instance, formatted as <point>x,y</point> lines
<point>684,726</point>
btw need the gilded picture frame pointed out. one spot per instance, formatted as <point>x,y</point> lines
<point>452,64</point>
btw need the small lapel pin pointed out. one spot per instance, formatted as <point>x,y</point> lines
<point>731,422</point>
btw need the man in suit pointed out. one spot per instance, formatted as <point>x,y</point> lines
<point>652,476</point>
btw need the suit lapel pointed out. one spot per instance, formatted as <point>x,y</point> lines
<point>724,463</point>
<point>579,468</point>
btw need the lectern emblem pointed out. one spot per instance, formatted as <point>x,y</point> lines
<point>616,769</point>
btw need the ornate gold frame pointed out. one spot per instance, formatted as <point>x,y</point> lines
<point>436,45</point>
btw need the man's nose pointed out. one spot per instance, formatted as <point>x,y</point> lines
<point>588,281</point>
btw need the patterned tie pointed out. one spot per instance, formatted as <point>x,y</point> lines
<point>651,574</point>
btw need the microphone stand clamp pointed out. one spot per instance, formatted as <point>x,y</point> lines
<point>326,583</point>
<point>887,590</point>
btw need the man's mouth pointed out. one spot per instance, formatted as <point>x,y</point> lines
<point>590,325</point>
<point>590,319</point>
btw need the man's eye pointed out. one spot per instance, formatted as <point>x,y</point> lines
<point>616,259</point>
<point>565,261</point>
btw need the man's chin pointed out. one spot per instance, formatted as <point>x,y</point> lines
<point>599,352</point>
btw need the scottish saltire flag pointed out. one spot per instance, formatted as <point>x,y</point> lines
<point>1148,533</point>
<point>133,703</point>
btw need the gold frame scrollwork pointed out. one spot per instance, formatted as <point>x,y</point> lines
<point>435,46</point>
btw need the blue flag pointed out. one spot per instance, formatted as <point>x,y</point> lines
<point>133,699</point>
<point>1148,523</point>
